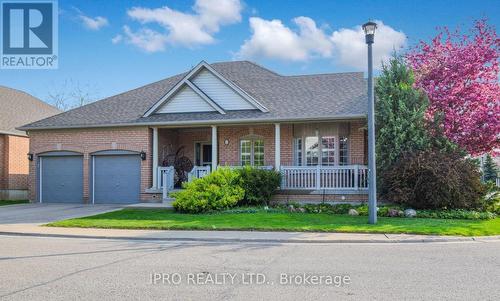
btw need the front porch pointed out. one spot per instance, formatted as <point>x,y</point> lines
<point>319,158</point>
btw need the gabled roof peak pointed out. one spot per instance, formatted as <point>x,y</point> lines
<point>187,81</point>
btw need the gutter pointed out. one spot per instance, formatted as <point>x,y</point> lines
<point>13,133</point>
<point>196,122</point>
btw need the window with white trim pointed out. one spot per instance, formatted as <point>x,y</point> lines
<point>258,153</point>
<point>246,152</point>
<point>343,150</point>
<point>312,151</point>
<point>325,150</point>
<point>252,152</point>
<point>297,151</point>
<point>328,150</point>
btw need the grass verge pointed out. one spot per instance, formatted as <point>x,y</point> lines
<point>6,202</point>
<point>163,219</point>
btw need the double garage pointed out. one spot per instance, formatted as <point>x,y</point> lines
<point>114,177</point>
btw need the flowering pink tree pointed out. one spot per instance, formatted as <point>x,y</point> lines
<point>460,74</point>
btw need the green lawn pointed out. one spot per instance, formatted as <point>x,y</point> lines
<point>266,221</point>
<point>4,203</point>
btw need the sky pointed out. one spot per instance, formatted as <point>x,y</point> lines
<point>109,47</point>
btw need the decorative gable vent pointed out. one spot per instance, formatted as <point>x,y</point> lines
<point>204,90</point>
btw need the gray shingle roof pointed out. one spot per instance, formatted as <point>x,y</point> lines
<point>18,108</point>
<point>303,97</point>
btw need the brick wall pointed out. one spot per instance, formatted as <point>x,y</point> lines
<point>357,142</point>
<point>230,154</point>
<point>170,140</point>
<point>14,167</point>
<point>286,144</point>
<point>87,141</point>
<point>18,164</point>
<point>167,143</point>
<point>291,196</point>
<point>3,163</point>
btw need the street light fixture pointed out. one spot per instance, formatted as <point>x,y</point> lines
<point>369,29</point>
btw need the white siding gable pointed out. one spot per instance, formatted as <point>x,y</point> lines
<point>186,100</point>
<point>220,92</point>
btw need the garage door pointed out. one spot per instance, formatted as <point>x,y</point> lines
<point>117,178</point>
<point>61,178</point>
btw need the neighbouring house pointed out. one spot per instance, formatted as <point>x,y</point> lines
<point>17,108</point>
<point>120,149</point>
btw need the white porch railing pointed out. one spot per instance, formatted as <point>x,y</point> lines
<point>166,173</point>
<point>198,172</point>
<point>165,179</point>
<point>348,177</point>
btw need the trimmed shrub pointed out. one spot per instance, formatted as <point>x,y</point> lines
<point>432,179</point>
<point>259,185</point>
<point>219,190</point>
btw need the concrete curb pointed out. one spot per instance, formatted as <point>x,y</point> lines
<point>259,240</point>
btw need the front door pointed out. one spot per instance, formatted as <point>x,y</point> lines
<point>206,154</point>
<point>203,154</point>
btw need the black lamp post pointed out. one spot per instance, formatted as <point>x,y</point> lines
<point>369,29</point>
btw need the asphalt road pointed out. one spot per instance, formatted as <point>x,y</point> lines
<point>34,268</point>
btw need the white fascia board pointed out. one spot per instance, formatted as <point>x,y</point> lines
<point>10,133</point>
<point>208,122</point>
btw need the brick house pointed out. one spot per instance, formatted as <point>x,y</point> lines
<point>17,108</point>
<point>121,149</point>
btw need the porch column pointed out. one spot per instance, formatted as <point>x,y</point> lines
<point>214,147</point>
<point>277,146</point>
<point>155,158</point>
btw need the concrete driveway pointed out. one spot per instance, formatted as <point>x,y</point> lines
<point>35,214</point>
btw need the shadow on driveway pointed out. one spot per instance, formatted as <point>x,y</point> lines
<point>46,213</point>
